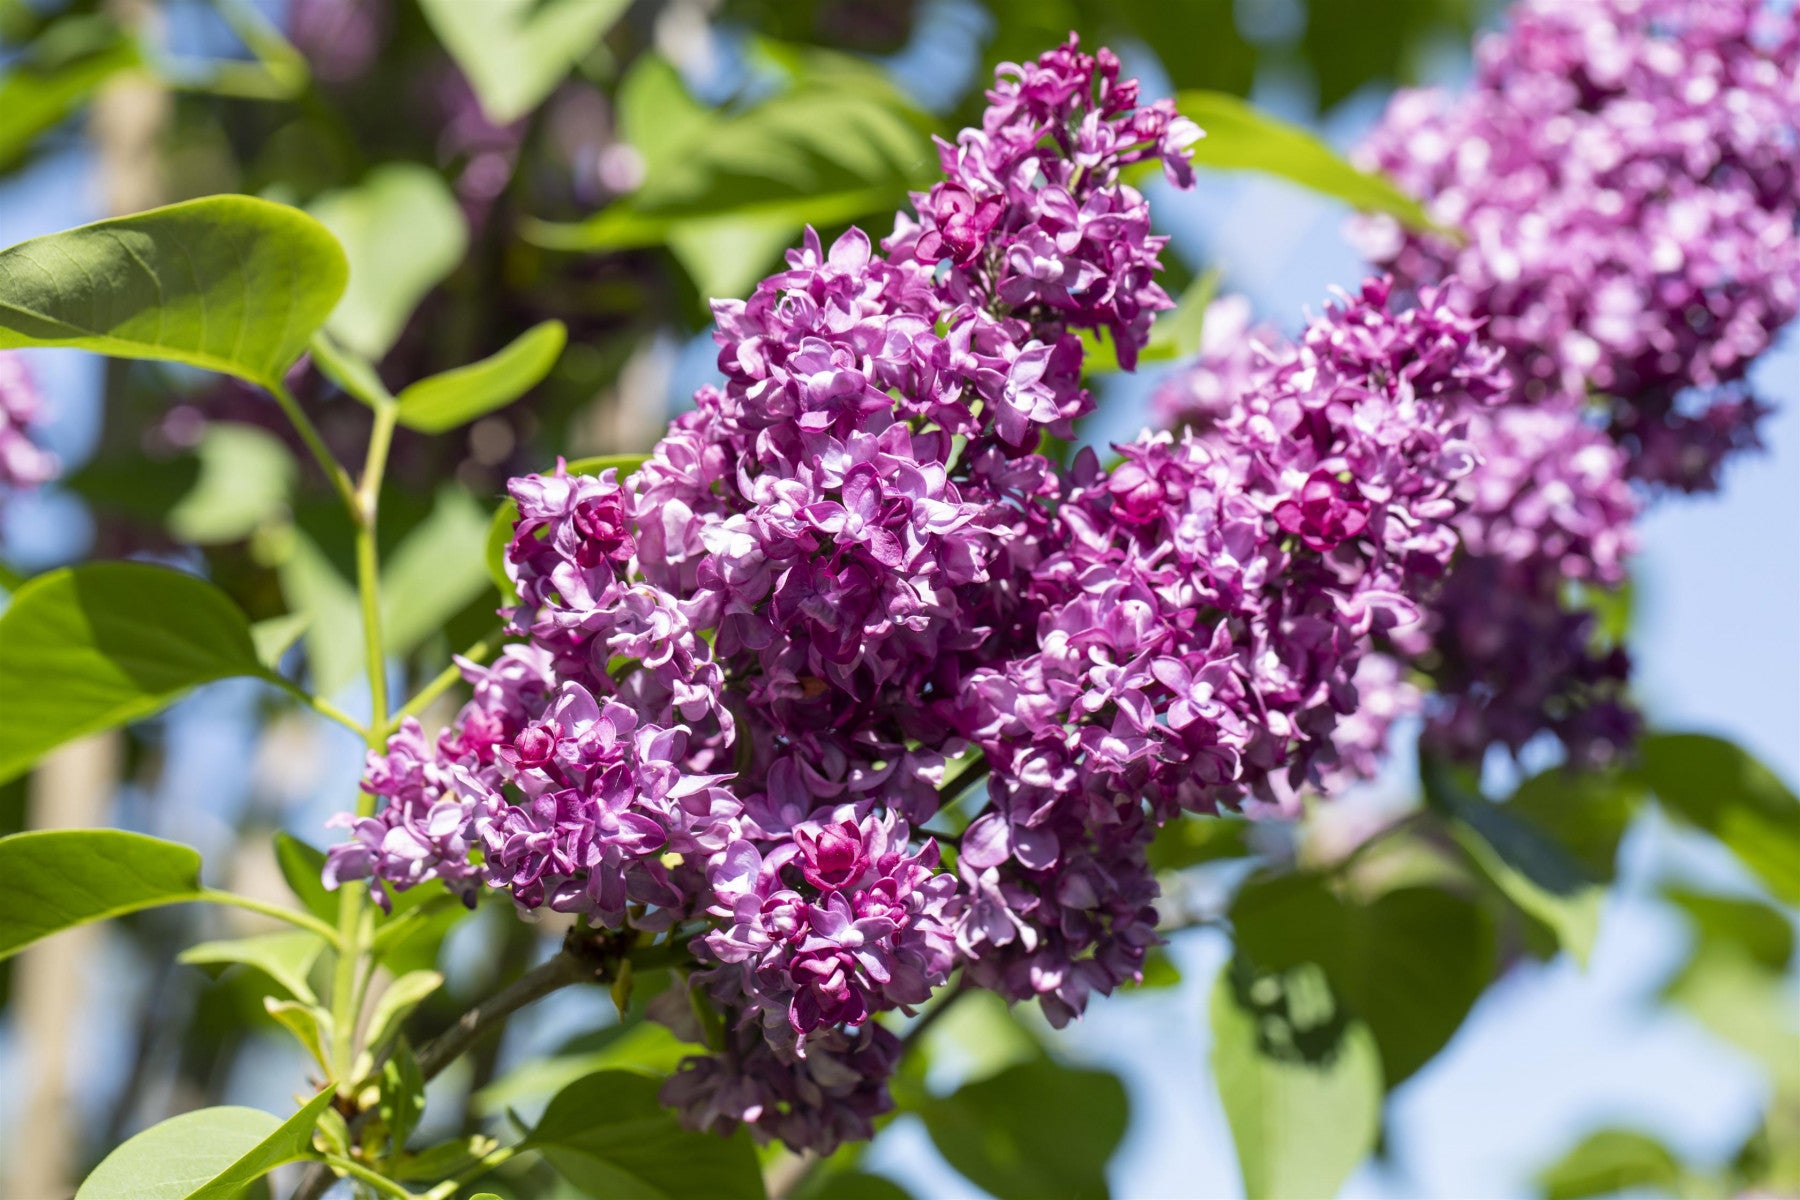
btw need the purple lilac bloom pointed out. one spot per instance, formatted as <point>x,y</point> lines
<point>1625,174</point>
<point>1300,526</point>
<point>23,463</point>
<point>748,665</point>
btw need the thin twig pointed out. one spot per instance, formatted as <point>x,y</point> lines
<point>558,972</point>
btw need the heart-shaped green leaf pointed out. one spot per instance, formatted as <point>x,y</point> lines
<point>1035,1129</point>
<point>211,1154</point>
<point>56,879</point>
<point>228,283</point>
<point>95,646</point>
<point>457,397</point>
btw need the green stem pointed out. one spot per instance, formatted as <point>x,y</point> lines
<point>320,705</point>
<point>446,679</point>
<point>309,433</point>
<point>374,1179</point>
<point>449,1188</point>
<point>293,916</point>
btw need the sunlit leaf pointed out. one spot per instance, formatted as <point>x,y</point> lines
<point>228,283</point>
<point>1035,1129</point>
<point>515,52</point>
<point>403,233</point>
<point>246,477</point>
<point>1609,1161</point>
<point>457,397</point>
<point>436,570</point>
<point>276,635</point>
<point>1410,963</point>
<point>398,1001</point>
<point>1720,788</point>
<point>96,646</point>
<point>727,189</point>
<point>608,1135</point>
<point>1524,862</point>
<point>211,1154</point>
<point>1240,137</point>
<point>644,1046</point>
<point>1760,931</point>
<point>56,879</point>
<point>1301,1083</point>
<point>283,957</point>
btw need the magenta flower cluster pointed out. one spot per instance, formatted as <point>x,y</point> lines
<point>1625,174</point>
<point>750,666</point>
<point>1624,177</point>
<point>24,464</point>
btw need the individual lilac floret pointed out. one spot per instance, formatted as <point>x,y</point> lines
<point>23,463</point>
<point>843,922</point>
<point>1625,174</point>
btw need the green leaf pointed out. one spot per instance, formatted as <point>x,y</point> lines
<point>1240,137</point>
<point>57,879</point>
<point>645,1047</point>
<point>443,402</point>
<point>435,571</point>
<point>400,1099</point>
<point>1300,1081</point>
<point>500,526</point>
<point>608,1135</point>
<point>398,1001</point>
<point>983,1036</point>
<point>312,585</point>
<point>212,1154</point>
<point>309,1023</point>
<point>303,867</point>
<point>275,636</point>
<point>1036,1129</point>
<point>1528,866</point>
<point>515,52</point>
<point>403,233</point>
<point>1745,1004</point>
<point>1411,963</point>
<point>36,96</point>
<point>1612,1160</point>
<point>96,646</point>
<point>228,283</point>
<point>1719,788</point>
<point>286,958</point>
<point>349,370</point>
<point>728,189</point>
<point>854,1185</point>
<point>1585,812</point>
<point>1760,931</point>
<point>1191,840</point>
<point>246,477</point>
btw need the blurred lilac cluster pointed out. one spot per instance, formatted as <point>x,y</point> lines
<point>1626,177</point>
<point>750,664</point>
<point>23,463</point>
<point>1624,174</point>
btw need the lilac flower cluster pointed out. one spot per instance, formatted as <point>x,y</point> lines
<point>1200,613</point>
<point>23,463</point>
<point>1547,505</point>
<point>749,664</point>
<point>1625,174</point>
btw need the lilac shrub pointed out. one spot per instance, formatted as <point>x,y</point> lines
<point>748,666</point>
